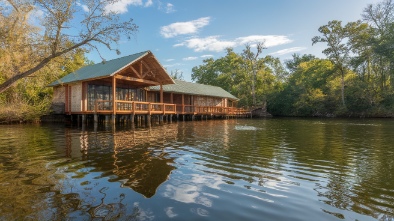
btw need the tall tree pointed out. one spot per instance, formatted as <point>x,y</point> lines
<point>380,17</point>
<point>338,51</point>
<point>293,64</point>
<point>206,73</point>
<point>177,74</point>
<point>253,64</point>
<point>67,25</point>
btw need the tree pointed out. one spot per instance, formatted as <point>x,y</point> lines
<point>65,25</point>
<point>338,50</point>
<point>206,73</point>
<point>381,15</point>
<point>293,64</point>
<point>177,74</point>
<point>277,67</point>
<point>252,65</point>
<point>381,18</point>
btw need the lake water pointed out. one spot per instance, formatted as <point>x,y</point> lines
<point>273,169</point>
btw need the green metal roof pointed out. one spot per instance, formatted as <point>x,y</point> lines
<point>104,69</point>
<point>183,87</point>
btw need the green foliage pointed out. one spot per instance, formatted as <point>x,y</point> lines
<point>359,69</point>
<point>30,98</point>
<point>233,74</point>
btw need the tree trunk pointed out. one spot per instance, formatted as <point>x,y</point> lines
<point>8,83</point>
<point>343,88</point>
<point>253,87</point>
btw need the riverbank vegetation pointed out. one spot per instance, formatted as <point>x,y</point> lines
<point>41,41</point>
<point>355,79</point>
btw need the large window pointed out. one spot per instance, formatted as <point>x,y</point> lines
<point>104,93</point>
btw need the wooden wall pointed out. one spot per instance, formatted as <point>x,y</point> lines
<point>59,94</point>
<point>207,101</point>
<point>76,97</point>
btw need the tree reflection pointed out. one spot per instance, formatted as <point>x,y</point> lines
<point>137,158</point>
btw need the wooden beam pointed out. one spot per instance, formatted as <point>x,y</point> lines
<point>136,80</point>
<point>148,70</point>
<point>142,76</point>
<point>146,66</point>
<point>135,72</point>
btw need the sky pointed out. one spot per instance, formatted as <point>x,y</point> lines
<point>182,33</point>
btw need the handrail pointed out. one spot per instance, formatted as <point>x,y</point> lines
<point>192,109</point>
<point>134,107</point>
<point>142,107</point>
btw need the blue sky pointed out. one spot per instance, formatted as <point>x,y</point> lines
<point>182,33</point>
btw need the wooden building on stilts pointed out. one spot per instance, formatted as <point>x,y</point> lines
<point>134,88</point>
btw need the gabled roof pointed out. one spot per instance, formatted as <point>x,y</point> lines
<point>183,87</point>
<point>110,68</point>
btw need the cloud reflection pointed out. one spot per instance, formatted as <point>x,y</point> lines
<point>191,190</point>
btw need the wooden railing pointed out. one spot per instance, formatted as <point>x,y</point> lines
<point>214,110</point>
<point>134,107</point>
<point>139,107</point>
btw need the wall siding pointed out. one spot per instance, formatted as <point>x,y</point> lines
<point>76,97</point>
<point>59,94</point>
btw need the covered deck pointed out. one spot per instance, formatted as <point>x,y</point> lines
<point>132,87</point>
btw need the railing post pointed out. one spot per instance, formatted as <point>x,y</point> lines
<point>95,117</point>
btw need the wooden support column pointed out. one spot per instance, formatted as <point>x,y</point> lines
<point>183,103</point>
<point>84,96</point>
<point>66,99</point>
<point>113,95</point>
<point>113,99</point>
<point>161,93</point>
<point>192,103</point>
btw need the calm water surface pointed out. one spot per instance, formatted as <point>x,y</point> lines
<point>274,169</point>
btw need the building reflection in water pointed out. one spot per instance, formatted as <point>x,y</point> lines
<point>134,157</point>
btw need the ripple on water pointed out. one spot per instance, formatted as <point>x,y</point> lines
<point>277,169</point>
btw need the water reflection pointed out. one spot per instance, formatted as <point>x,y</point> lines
<point>136,158</point>
<point>278,169</point>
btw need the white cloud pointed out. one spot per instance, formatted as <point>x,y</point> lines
<point>190,58</point>
<point>207,44</point>
<point>169,8</point>
<point>85,8</point>
<point>191,191</point>
<point>37,14</point>
<point>170,213</point>
<point>182,28</point>
<point>148,3</point>
<point>120,7</point>
<point>206,56</point>
<point>214,43</point>
<point>171,59</point>
<point>288,51</point>
<point>172,65</point>
<point>269,40</point>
